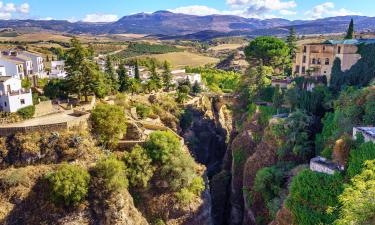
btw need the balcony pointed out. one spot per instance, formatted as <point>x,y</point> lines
<point>15,93</point>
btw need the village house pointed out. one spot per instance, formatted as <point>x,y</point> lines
<point>12,96</point>
<point>317,59</point>
<point>37,62</point>
<point>12,67</point>
<point>281,83</point>
<point>57,70</point>
<point>322,165</point>
<point>181,76</point>
<point>367,132</point>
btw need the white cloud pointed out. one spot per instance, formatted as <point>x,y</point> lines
<point>98,17</point>
<point>46,18</point>
<point>24,8</point>
<point>285,12</point>
<point>262,8</point>
<point>328,9</point>
<point>5,16</point>
<point>199,10</point>
<point>10,7</point>
<point>8,10</point>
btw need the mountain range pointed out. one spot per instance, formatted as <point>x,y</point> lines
<point>165,24</point>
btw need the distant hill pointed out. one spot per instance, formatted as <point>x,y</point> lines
<point>174,25</point>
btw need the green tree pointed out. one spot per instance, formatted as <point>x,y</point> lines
<point>359,156</point>
<point>109,174</point>
<point>108,123</point>
<point>139,167</point>
<point>47,58</point>
<point>134,86</point>
<point>136,71</point>
<point>350,31</point>
<point>278,98</point>
<point>268,181</point>
<point>155,79</point>
<point>167,75</point>
<point>111,74</point>
<point>336,75</point>
<point>69,184</point>
<point>268,51</point>
<point>311,195</point>
<point>357,200</point>
<point>26,83</point>
<point>291,41</point>
<point>83,74</point>
<point>196,89</point>
<point>162,145</point>
<point>123,78</point>
<point>56,88</point>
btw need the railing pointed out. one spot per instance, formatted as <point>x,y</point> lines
<point>15,93</point>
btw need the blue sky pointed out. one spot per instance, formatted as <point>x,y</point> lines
<point>111,10</point>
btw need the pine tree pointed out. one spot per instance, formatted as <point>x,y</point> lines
<point>291,40</point>
<point>123,78</point>
<point>155,78</point>
<point>196,88</point>
<point>167,76</point>
<point>335,82</point>
<point>350,32</point>
<point>47,59</point>
<point>111,74</point>
<point>136,72</point>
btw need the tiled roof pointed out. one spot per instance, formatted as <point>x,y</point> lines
<point>4,78</point>
<point>350,42</point>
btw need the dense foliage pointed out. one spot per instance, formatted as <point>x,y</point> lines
<point>69,184</point>
<point>217,80</point>
<point>137,49</point>
<point>139,167</point>
<point>359,156</point>
<point>108,124</point>
<point>357,200</point>
<point>27,112</point>
<point>312,195</point>
<point>110,174</point>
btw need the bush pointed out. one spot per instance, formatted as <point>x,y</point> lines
<point>186,120</point>
<point>27,112</point>
<point>110,174</point>
<point>311,195</point>
<point>69,184</point>
<point>143,111</point>
<point>108,123</point>
<point>15,178</point>
<point>139,168</point>
<point>364,152</point>
<point>186,195</point>
<point>162,145</point>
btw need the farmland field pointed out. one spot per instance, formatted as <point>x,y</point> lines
<point>182,59</point>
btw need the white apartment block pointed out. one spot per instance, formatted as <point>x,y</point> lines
<point>38,65</point>
<point>57,70</point>
<point>12,96</point>
<point>12,67</point>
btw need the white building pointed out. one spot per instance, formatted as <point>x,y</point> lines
<point>12,96</point>
<point>131,71</point>
<point>181,76</point>
<point>13,67</point>
<point>38,65</point>
<point>322,165</point>
<point>57,70</point>
<point>367,132</point>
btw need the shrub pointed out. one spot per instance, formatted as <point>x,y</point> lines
<point>108,123</point>
<point>110,174</point>
<point>358,207</point>
<point>311,195</point>
<point>268,182</point>
<point>161,145</point>
<point>27,112</point>
<point>364,152</point>
<point>184,197</point>
<point>186,120</point>
<point>143,111</point>
<point>69,184</point>
<point>139,168</point>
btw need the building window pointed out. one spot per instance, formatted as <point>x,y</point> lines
<point>339,50</point>
<point>319,62</point>
<point>303,70</point>
<point>304,59</point>
<point>325,71</point>
<point>22,101</point>
<point>324,48</point>
<point>327,61</point>
<point>297,69</point>
<point>304,49</point>
<point>5,104</point>
<point>313,61</point>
